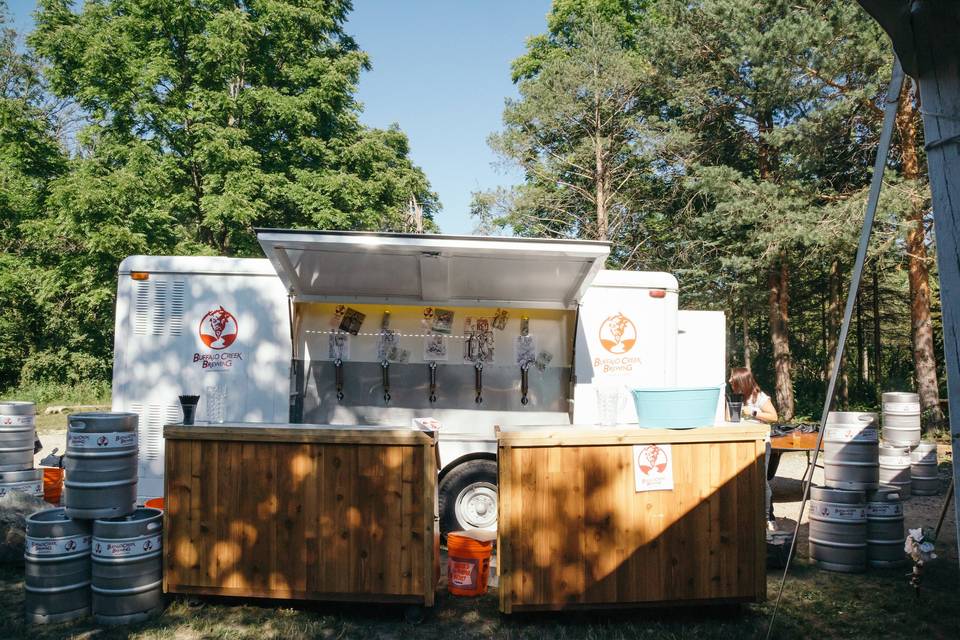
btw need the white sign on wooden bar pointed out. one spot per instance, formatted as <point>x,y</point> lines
<point>653,467</point>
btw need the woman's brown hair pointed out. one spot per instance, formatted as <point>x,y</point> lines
<point>742,383</point>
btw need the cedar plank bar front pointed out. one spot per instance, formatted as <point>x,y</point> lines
<point>307,512</point>
<point>575,534</point>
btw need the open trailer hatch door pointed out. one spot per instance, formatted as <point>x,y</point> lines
<point>319,266</point>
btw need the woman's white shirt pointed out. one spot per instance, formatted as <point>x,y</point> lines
<point>756,404</point>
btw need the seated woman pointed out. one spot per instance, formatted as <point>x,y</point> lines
<point>757,407</point>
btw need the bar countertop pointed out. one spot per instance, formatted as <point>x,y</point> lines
<point>585,435</point>
<point>297,432</point>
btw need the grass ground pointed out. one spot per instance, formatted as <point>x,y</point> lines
<point>816,604</point>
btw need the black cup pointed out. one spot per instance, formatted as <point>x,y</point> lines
<point>734,407</point>
<point>189,406</point>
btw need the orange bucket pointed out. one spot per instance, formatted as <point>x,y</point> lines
<point>468,564</point>
<point>154,503</point>
<point>52,484</point>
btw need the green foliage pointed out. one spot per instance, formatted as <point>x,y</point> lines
<point>243,113</point>
<point>750,146</point>
<point>198,122</point>
<point>564,26</point>
<point>582,133</point>
<point>43,393</point>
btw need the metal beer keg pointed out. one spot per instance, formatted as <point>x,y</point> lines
<point>17,435</point>
<point>127,567</point>
<point>885,536</point>
<point>100,465</point>
<point>57,567</point>
<point>838,529</point>
<point>851,451</point>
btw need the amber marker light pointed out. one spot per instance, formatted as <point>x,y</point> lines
<point>139,275</point>
<point>658,293</point>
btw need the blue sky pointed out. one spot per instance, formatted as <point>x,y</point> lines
<point>441,70</point>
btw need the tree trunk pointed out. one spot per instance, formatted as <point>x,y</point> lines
<point>600,169</point>
<point>862,364</point>
<point>835,316</point>
<point>778,283</point>
<point>824,330</point>
<point>876,329</point>
<point>745,324</point>
<point>924,360</point>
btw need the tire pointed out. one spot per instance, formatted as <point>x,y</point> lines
<point>471,483</point>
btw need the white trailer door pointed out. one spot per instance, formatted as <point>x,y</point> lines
<point>702,351</point>
<point>626,338</point>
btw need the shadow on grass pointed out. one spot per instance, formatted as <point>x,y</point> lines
<point>816,604</point>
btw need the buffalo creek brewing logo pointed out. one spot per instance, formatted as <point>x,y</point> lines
<point>617,336</point>
<point>652,467</point>
<point>218,330</point>
<point>652,458</point>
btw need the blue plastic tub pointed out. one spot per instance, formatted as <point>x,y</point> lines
<point>677,407</point>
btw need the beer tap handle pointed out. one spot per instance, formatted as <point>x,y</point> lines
<point>433,381</point>
<point>385,367</point>
<point>524,383</point>
<point>478,381</point>
<point>338,377</point>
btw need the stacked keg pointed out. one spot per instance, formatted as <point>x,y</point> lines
<point>923,469</point>
<point>857,520</point>
<point>837,511</point>
<point>838,529</point>
<point>57,561</point>
<point>101,465</point>
<point>895,468</point>
<point>17,435</point>
<point>113,567</point>
<point>901,437</point>
<point>851,451</point>
<point>885,536</point>
<point>127,567</point>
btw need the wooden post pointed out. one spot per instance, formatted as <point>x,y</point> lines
<point>924,34</point>
<point>940,92</point>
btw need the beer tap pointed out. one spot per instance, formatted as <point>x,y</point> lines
<point>338,377</point>
<point>478,380</point>
<point>433,381</point>
<point>524,383</point>
<point>385,367</point>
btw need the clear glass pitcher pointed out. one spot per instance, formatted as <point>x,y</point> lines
<point>216,397</point>
<point>610,399</point>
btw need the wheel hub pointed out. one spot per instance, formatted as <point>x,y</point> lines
<point>476,506</point>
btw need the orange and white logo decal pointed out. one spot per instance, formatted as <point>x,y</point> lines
<point>618,334</point>
<point>218,329</point>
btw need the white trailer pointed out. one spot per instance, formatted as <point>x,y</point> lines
<point>367,328</point>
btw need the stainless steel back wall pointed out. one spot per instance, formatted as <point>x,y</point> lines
<point>410,390</point>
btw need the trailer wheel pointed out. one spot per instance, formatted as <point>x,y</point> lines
<point>468,497</point>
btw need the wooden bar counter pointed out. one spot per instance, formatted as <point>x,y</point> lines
<point>301,512</point>
<point>575,533</point>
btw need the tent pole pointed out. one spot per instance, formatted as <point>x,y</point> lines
<point>890,114</point>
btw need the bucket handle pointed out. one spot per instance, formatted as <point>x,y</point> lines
<point>153,526</point>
